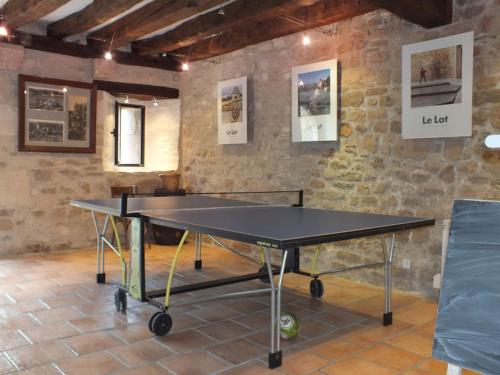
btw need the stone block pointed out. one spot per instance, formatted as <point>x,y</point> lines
<point>345,130</point>
<point>352,99</point>
<point>15,189</point>
<point>376,114</point>
<point>448,174</point>
<point>454,148</point>
<point>6,225</point>
<point>7,212</point>
<point>11,56</point>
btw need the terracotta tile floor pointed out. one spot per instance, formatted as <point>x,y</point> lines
<point>55,319</point>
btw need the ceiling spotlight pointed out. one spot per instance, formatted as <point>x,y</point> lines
<point>185,66</point>
<point>4,32</point>
<point>155,102</point>
<point>306,40</point>
<point>126,99</point>
<point>221,11</point>
<point>65,89</point>
<point>108,55</point>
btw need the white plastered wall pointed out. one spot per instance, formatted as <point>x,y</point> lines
<point>162,128</point>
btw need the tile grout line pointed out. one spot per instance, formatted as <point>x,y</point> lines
<point>58,369</point>
<point>11,361</point>
<point>117,357</point>
<point>25,336</point>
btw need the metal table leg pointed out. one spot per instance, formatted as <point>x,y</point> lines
<point>100,233</point>
<point>387,320</point>
<point>197,260</point>
<point>275,354</point>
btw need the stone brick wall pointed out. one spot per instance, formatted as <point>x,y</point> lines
<point>35,188</point>
<point>370,169</point>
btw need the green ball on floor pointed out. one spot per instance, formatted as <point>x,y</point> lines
<point>289,326</point>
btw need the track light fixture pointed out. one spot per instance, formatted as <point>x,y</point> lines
<point>221,11</point>
<point>155,102</point>
<point>185,66</point>
<point>4,31</point>
<point>126,99</point>
<point>306,40</point>
<point>108,55</point>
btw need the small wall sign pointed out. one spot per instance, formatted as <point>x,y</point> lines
<point>232,111</point>
<point>314,102</point>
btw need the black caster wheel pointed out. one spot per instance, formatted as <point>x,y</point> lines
<point>121,300</point>
<point>264,279</point>
<point>316,288</point>
<point>160,323</point>
<point>151,320</point>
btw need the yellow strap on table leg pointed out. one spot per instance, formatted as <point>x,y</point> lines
<point>120,250</point>
<point>314,261</point>
<point>261,255</point>
<point>172,268</point>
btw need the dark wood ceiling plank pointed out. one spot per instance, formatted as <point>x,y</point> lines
<point>322,13</point>
<point>235,14</point>
<point>150,18</point>
<point>134,90</point>
<point>47,44</point>
<point>18,13</point>
<point>427,13</point>
<point>98,12</point>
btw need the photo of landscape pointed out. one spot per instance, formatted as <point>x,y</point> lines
<point>314,93</point>
<point>45,131</point>
<point>45,99</point>
<point>232,104</point>
<point>436,77</point>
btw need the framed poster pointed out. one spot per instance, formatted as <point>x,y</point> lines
<point>56,115</point>
<point>437,87</point>
<point>314,102</point>
<point>232,111</point>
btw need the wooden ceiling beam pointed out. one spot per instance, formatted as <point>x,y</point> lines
<point>47,44</point>
<point>150,18</point>
<point>321,13</point>
<point>235,14</point>
<point>427,13</point>
<point>18,13</point>
<point>98,12</point>
<point>136,90</point>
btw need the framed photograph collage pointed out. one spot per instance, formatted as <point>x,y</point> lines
<point>56,115</point>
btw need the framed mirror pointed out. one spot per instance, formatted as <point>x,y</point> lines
<point>129,135</point>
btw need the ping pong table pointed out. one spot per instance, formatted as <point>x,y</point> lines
<point>283,228</point>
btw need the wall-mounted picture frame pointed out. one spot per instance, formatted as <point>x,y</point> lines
<point>437,87</point>
<point>232,111</point>
<point>56,115</point>
<point>314,102</point>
